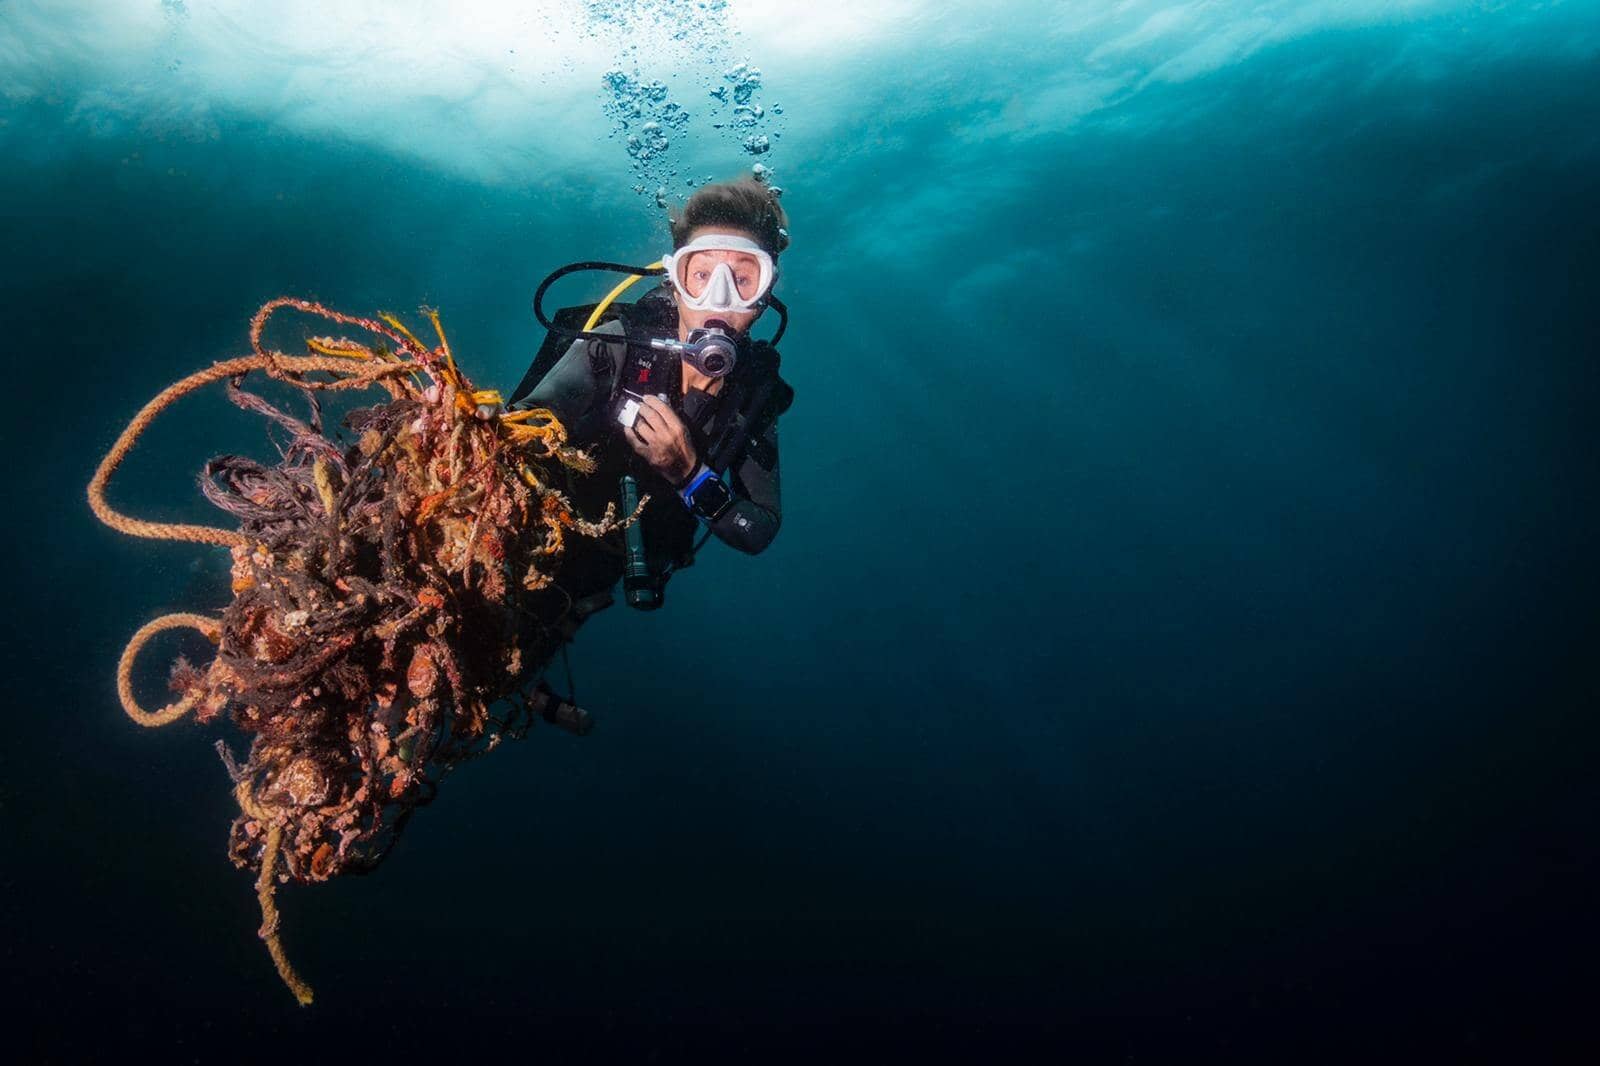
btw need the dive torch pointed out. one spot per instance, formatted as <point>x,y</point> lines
<point>637,585</point>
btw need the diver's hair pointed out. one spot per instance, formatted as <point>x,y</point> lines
<point>744,203</point>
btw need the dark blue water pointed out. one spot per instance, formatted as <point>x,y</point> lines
<point>1178,646</point>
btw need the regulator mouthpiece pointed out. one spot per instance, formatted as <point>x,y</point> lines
<point>710,350</point>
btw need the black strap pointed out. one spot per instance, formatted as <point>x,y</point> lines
<point>765,396</point>
<point>733,439</point>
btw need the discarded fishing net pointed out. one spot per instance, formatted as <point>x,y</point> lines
<point>389,595</point>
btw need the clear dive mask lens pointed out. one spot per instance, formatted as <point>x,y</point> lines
<point>722,277</point>
<point>737,278</point>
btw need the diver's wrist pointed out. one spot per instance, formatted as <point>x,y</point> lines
<point>698,474</point>
<point>694,470</point>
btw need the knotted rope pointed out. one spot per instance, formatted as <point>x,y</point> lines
<point>386,595</point>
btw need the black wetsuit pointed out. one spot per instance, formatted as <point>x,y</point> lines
<point>579,395</point>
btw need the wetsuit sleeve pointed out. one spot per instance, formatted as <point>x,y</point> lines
<point>753,519</point>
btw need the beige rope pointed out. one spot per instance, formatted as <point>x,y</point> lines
<point>349,375</point>
<point>266,886</point>
<point>173,711</point>
<point>364,374</point>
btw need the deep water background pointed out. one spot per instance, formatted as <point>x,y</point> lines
<point>1178,647</point>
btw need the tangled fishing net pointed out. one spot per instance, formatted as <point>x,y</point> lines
<point>386,594</point>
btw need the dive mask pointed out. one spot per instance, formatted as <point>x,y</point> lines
<point>705,284</point>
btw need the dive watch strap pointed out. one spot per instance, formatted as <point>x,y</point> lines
<point>706,495</point>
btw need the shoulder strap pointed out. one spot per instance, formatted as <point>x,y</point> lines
<point>651,311</point>
<point>762,396</point>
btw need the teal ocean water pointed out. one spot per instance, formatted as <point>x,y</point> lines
<point>1178,645</point>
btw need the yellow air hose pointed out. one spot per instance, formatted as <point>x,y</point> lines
<point>611,297</point>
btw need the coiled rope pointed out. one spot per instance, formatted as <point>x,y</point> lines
<point>277,365</point>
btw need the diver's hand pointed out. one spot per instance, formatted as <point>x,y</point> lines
<point>660,436</point>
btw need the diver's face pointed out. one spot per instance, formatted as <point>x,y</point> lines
<point>746,278</point>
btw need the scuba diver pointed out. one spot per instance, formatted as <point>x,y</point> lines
<point>675,401</point>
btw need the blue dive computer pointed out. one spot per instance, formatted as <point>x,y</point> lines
<point>706,495</point>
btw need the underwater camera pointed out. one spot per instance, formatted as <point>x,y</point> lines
<point>710,350</point>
